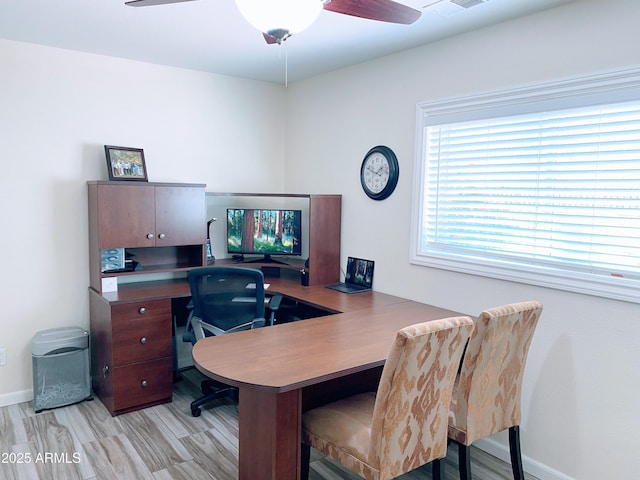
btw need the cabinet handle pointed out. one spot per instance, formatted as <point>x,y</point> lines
<point>143,340</point>
<point>161,236</point>
<point>142,310</point>
<point>144,384</point>
<point>150,236</point>
<point>105,371</point>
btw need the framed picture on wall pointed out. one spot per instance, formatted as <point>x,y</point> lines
<point>125,163</point>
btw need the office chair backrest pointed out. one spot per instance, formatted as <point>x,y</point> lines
<point>227,297</point>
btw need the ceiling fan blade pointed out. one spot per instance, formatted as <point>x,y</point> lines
<point>148,3</point>
<point>381,10</point>
<point>269,39</point>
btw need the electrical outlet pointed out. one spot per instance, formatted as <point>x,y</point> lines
<point>3,357</point>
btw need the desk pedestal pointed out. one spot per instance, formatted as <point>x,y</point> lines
<point>270,425</point>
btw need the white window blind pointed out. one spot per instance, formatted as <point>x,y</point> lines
<point>549,197</point>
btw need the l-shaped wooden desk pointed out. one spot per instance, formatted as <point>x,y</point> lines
<point>285,369</point>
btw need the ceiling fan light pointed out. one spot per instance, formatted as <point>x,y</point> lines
<point>290,15</point>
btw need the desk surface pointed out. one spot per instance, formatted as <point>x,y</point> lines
<point>298,354</point>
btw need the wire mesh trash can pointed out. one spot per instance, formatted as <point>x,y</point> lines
<point>61,374</point>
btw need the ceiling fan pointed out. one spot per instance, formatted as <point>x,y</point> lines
<point>380,10</point>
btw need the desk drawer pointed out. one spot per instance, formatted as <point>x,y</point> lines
<point>145,309</point>
<point>141,332</point>
<point>142,383</point>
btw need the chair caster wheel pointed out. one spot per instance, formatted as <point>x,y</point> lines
<point>195,412</point>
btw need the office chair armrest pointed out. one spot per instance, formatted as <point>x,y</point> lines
<point>274,302</point>
<point>199,327</point>
<point>258,323</point>
<point>255,323</point>
<point>189,335</point>
<point>274,305</point>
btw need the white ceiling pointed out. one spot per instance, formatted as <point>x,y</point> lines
<point>211,36</point>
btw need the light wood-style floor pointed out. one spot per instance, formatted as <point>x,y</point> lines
<point>83,441</point>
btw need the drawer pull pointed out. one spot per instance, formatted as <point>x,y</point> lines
<point>105,371</point>
<point>142,310</point>
<point>161,236</point>
<point>144,384</point>
<point>143,340</point>
<point>149,236</point>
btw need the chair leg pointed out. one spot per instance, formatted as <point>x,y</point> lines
<point>438,469</point>
<point>210,397</point>
<point>516,455</point>
<point>195,407</point>
<point>304,461</point>
<point>464,461</point>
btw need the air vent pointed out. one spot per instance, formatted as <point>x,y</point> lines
<point>449,8</point>
<point>467,3</point>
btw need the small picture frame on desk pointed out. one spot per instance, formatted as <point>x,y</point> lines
<point>125,163</point>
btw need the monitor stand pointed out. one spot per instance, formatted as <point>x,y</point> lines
<point>266,259</point>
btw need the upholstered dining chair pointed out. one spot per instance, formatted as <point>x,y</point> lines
<point>487,391</point>
<point>380,435</point>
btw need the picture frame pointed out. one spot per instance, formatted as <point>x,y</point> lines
<point>126,163</point>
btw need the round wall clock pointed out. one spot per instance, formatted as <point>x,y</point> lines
<point>379,172</point>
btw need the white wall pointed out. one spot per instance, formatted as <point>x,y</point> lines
<point>58,109</point>
<point>582,381</point>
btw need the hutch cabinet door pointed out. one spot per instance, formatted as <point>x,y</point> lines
<point>180,216</point>
<point>126,216</point>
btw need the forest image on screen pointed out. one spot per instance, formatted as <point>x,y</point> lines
<point>268,232</point>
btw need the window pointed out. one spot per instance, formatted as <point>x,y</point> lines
<point>538,185</point>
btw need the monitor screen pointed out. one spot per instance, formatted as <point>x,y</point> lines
<point>266,232</point>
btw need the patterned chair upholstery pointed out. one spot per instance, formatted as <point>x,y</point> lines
<point>404,424</point>
<point>486,395</point>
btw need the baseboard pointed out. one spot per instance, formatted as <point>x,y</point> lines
<point>16,397</point>
<point>533,467</point>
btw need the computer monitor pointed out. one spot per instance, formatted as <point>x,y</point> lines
<point>264,232</point>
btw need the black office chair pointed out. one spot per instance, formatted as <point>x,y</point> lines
<point>225,300</point>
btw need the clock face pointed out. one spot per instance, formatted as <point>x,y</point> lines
<point>376,172</point>
<point>379,173</point>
